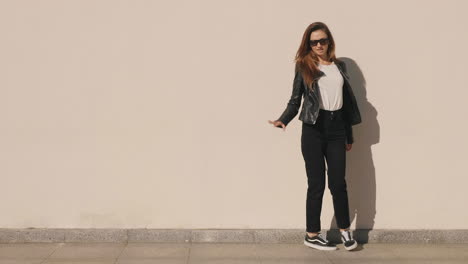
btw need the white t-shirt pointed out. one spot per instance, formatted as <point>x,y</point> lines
<point>331,87</point>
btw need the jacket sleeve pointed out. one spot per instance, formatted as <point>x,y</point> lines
<point>349,134</point>
<point>295,101</point>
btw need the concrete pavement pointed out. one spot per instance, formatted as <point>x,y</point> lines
<point>224,253</point>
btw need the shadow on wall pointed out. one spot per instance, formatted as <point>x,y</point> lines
<point>360,169</point>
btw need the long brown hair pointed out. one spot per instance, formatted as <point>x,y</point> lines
<point>306,60</point>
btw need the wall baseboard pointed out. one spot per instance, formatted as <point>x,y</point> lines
<point>27,235</point>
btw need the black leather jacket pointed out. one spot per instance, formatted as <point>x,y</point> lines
<point>310,107</point>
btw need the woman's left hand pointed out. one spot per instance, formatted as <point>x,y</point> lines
<point>348,147</point>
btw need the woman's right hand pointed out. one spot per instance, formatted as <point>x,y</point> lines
<point>277,123</point>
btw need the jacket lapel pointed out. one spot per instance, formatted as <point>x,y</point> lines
<point>340,67</point>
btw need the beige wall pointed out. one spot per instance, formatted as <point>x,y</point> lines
<point>154,113</point>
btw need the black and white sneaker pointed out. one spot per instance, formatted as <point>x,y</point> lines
<point>348,241</point>
<point>318,242</point>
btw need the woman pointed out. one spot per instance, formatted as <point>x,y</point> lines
<point>328,113</point>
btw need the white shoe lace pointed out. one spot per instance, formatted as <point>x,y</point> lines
<point>347,235</point>
<point>321,235</point>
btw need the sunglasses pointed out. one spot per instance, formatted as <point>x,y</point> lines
<point>323,41</point>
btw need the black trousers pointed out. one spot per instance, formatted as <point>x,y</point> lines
<point>320,142</point>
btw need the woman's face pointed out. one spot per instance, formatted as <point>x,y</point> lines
<point>320,48</point>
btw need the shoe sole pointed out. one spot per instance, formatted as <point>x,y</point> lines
<point>352,247</point>
<point>318,246</point>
